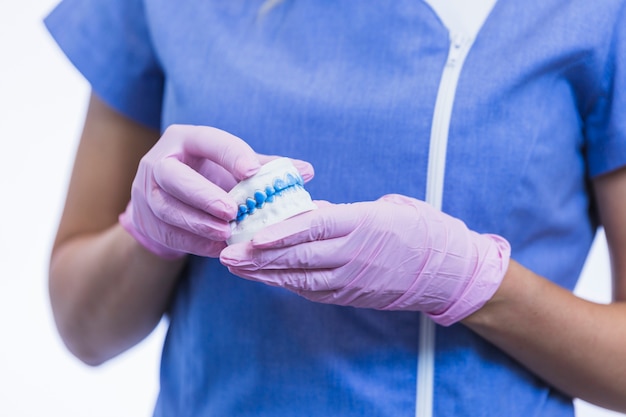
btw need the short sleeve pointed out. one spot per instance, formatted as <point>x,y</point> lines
<point>109,43</point>
<point>606,125</point>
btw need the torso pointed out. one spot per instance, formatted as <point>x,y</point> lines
<point>351,87</point>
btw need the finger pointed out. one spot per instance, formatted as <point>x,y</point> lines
<point>264,159</point>
<point>226,150</point>
<point>296,280</point>
<point>258,276</point>
<point>195,191</point>
<point>215,173</point>
<point>322,203</point>
<point>304,168</point>
<point>188,242</point>
<point>222,178</point>
<point>328,222</point>
<point>323,254</point>
<point>178,214</point>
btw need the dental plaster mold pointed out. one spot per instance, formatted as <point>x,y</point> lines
<point>272,195</point>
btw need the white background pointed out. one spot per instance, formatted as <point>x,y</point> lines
<point>42,104</point>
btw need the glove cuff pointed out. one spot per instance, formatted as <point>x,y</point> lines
<point>487,279</point>
<point>126,221</point>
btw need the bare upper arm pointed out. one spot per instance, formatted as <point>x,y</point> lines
<point>110,148</point>
<point>610,191</point>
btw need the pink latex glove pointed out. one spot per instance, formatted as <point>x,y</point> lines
<point>396,253</point>
<point>179,202</point>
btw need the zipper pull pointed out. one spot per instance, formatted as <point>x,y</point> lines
<point>459,43</point>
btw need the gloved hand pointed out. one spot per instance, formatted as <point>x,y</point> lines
<point>179,202</point>
<point>396,253</point>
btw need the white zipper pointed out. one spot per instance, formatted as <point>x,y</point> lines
<point>460,45</point>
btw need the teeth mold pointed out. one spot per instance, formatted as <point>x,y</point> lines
<point>272,195</point>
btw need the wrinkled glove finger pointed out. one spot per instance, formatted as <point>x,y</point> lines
<point>295,280</point>
<point>190,187</point>
<point>324,254</point>
<point>304,168</point>
<point>226,150</point>
<point>215,174</point>
<point>328,222</point>
<point>188,242</point>
<point>171,212</point>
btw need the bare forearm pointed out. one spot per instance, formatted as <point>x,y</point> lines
<point>108,293</point>
<point>577,346</point>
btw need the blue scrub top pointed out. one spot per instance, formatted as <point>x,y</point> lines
<point>351,87</point>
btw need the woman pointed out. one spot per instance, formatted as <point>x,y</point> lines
<point>506,116</point>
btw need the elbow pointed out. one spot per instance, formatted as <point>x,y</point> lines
<point>86,355</point>
<point>610,395</point>
<point>87,332</point>
<point>77,327</point>
<point>80,343</point>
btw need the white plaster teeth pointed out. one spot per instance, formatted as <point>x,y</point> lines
<point>268,195</point>
<point>273,194</point>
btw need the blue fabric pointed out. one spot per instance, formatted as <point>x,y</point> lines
<point>350,87</point>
